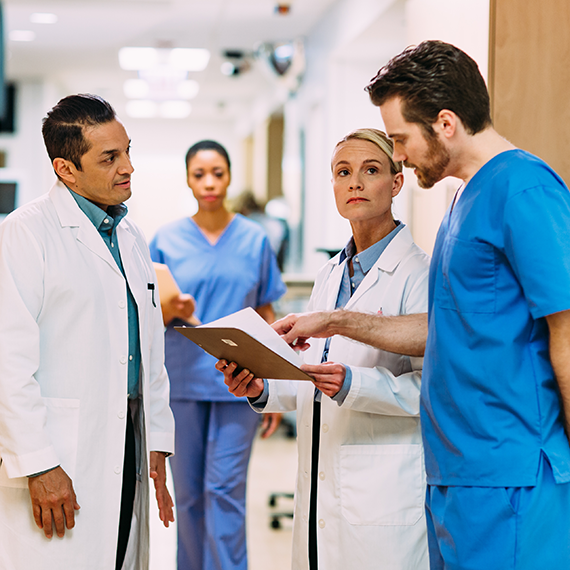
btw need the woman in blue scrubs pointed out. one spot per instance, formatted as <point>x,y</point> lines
<point>224,261</point>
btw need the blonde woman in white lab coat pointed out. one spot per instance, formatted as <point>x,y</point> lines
<point>361,461</point>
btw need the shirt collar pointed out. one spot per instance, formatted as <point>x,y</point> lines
<point>369,256</point>
<point>113,215</point>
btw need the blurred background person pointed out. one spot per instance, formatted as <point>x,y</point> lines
<point>225,262</point>
<point>275,227</point>
<point>359,501</point>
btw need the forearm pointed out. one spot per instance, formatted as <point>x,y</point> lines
<point>403,334</point>
<point>559,325</point>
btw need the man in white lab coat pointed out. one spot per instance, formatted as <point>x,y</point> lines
<point>84,413</point>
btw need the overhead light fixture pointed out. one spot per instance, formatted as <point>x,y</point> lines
<point>43,18</point>
<point>142,109</point>
<point>175,109</point>
<point>186,59</point>
<point>135,59</point>
<point>22,36</point>
<point>136,88</point>
<point>189,59</point>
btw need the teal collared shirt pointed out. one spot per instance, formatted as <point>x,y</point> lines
<point>106,223</point>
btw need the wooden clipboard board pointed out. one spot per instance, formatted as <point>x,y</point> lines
<point>235,345</point>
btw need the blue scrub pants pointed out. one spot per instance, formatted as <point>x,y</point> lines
<point>495,528</point>
<point>213,445</point>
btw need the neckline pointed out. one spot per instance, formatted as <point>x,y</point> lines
<point>224,232</point>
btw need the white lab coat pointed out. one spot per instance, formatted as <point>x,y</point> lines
<point>63,381</point>
<point>371,488</point>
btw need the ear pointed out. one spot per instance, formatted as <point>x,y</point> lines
<point>65,169</point>
<point>397,185</point>
<point>447,123</point>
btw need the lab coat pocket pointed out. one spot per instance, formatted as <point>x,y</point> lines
<point>63,428</point>
<point>62,425</point>
<point>381,484</point>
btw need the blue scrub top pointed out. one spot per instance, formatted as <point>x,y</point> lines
<point>501,263</point>
<point>239,271</point>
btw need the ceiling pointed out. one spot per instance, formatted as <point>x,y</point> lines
<point>79,52</point>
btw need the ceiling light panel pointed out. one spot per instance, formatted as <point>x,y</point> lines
<point>22,36</point>
<point>43,18</point>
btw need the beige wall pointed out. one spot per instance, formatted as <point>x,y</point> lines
<point>530,77</point>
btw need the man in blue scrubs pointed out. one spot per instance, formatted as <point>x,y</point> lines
<point>496,379</point>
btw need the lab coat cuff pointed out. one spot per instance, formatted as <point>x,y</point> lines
<point>163,442</point>
<point>341,395</point>
<point>30,463</point>
<point>259,403</point>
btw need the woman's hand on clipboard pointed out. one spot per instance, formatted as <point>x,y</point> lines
<point>241,384</point>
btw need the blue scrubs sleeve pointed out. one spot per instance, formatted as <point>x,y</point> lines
<point>271,287</point>
<point>537,245</point>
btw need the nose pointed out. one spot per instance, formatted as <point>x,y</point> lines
<point>209,181</point>
<point>126,166</point>
<point>355,182</point>
<point>399,155</point>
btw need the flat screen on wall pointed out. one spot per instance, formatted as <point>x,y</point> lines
<point>7,197</point>
<point>2,62</point>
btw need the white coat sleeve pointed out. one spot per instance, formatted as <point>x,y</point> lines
<point>25,447</point>
<point>380,391</point>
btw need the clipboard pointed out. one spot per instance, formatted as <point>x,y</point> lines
<point>168,288</point>
<point>235,345</point>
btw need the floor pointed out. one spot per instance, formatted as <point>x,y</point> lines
<point>272,468</point>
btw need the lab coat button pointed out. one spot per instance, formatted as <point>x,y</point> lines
<point>121,414</point>
<point>306,475</point>
<point>122,304</point>
<point>325,428</point>
<point>321,523</point>
<point>123,359</point>
<point>117,470</point>
<point>322,476</point>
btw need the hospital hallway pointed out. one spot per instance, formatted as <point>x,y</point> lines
<point>272,469</point>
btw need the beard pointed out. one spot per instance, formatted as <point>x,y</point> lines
<point>436,161</point>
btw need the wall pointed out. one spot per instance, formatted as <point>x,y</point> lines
<point>530,56</point>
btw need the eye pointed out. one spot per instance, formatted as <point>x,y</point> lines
<point>110,158</point>
<point>219,174</point>
<point>343,172</point>
<point>372,170</point>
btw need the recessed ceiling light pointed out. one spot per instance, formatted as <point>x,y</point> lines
<point>134,59</point>
<point>142,109</point>
<point>136,88</point>
<point>43,18</point>
<point>22,36</point>
<point>175,109</point>
<point>190,59</point>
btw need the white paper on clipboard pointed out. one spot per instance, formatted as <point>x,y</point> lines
<point>251,322</point>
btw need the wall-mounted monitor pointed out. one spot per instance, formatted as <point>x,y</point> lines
<point>8,193</point>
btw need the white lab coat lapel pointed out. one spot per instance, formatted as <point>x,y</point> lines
<point>386,263</point>
<point>70,215</point>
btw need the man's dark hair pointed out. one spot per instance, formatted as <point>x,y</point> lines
<point>64,125</point>
<point>207,145</point>
<point>430,77</point>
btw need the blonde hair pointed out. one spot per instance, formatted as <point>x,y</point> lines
<point>380,140</point>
